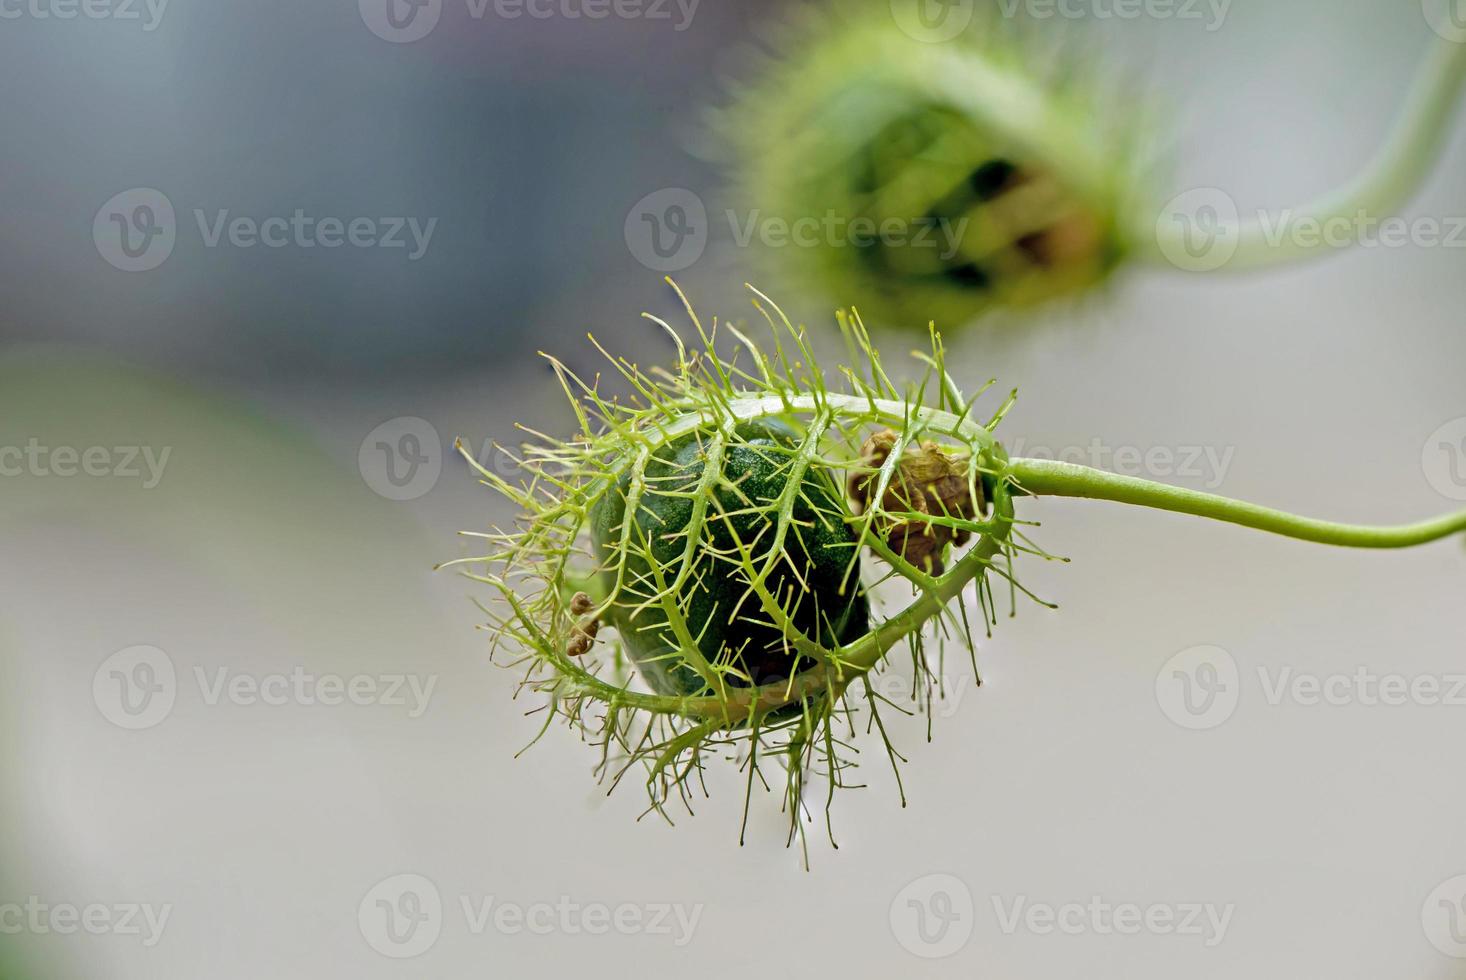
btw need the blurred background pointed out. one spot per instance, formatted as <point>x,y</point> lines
<point>248,730</point>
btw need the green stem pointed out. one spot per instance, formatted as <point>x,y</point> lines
<point>1391,178</point>
<point>1042,477</point>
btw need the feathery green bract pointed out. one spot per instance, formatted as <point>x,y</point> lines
<point>736,464</point>
<point>936,180</point>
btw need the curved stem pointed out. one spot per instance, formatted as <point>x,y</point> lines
<point>1391,178</point>
<point>1042,477</point>
<point>690,418</point>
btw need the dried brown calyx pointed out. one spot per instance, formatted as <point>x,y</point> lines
<point>927,481</point>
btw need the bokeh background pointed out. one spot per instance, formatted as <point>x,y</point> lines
<point>299,404</point>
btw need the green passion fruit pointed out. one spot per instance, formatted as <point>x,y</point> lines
<point>815,578</point>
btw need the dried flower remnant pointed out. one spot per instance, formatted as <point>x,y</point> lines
<point>583,635</point>
<point>930,485</point>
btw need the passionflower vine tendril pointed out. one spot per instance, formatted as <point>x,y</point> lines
<point>720,563</point>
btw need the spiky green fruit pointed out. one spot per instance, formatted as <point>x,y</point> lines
<point>815,574</point>
<point>935,180</point>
